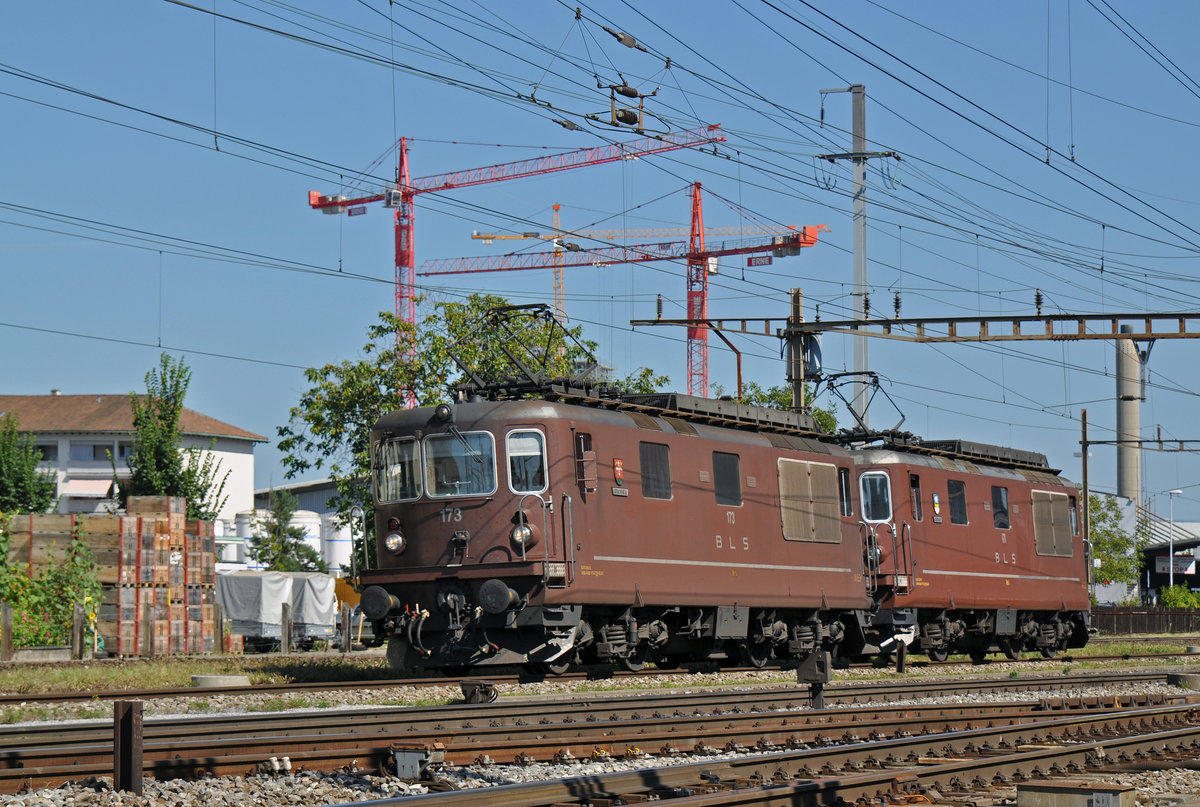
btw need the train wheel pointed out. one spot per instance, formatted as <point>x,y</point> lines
<point>558,667</point>
<point>937,654</point>
<point>636,661</point>
<point>1049,651</point>
<point>978,656</point>
<point>756,654</point>
<point>1012,649</point>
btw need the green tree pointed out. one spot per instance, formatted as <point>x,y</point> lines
<point>1119,551</point>
<point>23,487</point>
<point>278,544</point>
<point>330,427</point>
<point>780,397</point>
<point>159,465</point>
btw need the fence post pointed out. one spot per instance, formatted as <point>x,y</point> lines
<point>285,629</point>
<point>219,628</point>
<point>77,632</point>
<point>6,629</point>
<point>127,746</point>
<point>347,639</point>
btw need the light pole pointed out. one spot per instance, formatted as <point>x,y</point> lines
<point>1171,539</point>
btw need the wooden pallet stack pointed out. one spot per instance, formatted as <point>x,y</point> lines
<point>158,572</point>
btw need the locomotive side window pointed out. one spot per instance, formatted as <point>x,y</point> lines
<point>526,461</point>
<point>808,501</point>
<point>957,490</point>
<point>727,478</point>
<point>1074,516</point>
<point>1052,527</point>
<point>396,472</point>
<point>845,505</point>
<point>876,496</point>
<point>914,495</point>
<point>460,464</point>
<point>1000,507</point>
<point>656,470</point>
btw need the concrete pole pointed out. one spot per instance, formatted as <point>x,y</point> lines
<point>1129,414</point>
<point>858,94</point>
<point>796,354</point>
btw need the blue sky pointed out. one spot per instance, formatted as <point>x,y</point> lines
<point>127,226</point>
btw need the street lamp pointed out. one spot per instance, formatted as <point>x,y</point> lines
<point>1171,539</point>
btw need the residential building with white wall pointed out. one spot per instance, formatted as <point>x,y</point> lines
<point>77,433</point>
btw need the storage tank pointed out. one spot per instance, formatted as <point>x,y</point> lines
<point>310,523</point>
<point>246,526</point>
<point>336,544</point>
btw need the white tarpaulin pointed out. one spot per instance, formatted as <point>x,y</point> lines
<point>314,604</point>
<point>253,602</point>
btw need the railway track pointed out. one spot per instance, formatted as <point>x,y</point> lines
<point>961,762</point>
<point>673,726</point>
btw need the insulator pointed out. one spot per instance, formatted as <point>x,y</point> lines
<point>896,304</point>
<point>866,305</point>
<point>1037,300</point>
<point>626,90</point>
<point>627,116</point>
<point>660,306</point>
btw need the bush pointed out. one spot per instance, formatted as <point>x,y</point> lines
<point>43,606</point>
<point>1178,596</point>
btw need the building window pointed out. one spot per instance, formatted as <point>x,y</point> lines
<point>49,451</point>
<point>1000,507</point>
<point>90,452</point>
<point>957,490</point>
<point>656,470</point>
<point>727,478</point>
<point>124,451</point>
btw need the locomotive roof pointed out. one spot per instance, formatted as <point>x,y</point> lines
<point>783,429</point>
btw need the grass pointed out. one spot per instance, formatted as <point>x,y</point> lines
<point>122,674</point>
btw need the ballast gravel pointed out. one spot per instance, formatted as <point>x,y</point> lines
<point>311,789</point>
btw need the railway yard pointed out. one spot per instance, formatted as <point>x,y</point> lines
<point>952,733</point>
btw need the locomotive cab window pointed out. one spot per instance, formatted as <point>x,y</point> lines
<point>526,461</point>
<point>957,494</point>
<point>460,464</point>
<point>656,470</point>
<point>1000,507</point>
<point>876,496</point>
<point>727,478</point>
<point>397,478</point>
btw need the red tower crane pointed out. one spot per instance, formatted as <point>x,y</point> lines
<point>694,252</point>
<point>401,197</point>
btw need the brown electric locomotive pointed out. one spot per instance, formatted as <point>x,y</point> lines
<point>576,528</point>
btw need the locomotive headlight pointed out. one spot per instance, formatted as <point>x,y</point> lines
<point>394,542</point>
<point>521,536</point>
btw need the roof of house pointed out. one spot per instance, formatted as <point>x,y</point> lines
<point>103,413</point>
